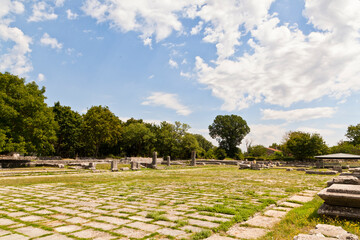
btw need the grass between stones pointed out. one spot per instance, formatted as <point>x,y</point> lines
<point>208,198</point>
<point>303,219</point>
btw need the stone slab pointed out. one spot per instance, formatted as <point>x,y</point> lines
<point>247,232</point>
<point>344,188</point>
<point>218,237</point>
<point>144,226</point>
<point>312,237</point>
<point>68,228</point>
<point>165,223</point>
<point>6,222</point>
<point>171,232</point>
<point>328,230</point>
<point>262,221</point>
<point>338,211</point>
<point>192,229</point>
<point>103,226</point>
<point>273,213</point>
<point>112,220</point>
<point>202,223</point>
<point>77,220</point>
<point>92,234</point>
<point>132,233</point>
<point>290,204</point>
<point>340,199</point>
<point>32,218</point>
<point>299,198</point>
<point>3,232</point>
<point>55,237</point>
<point>14,237</point>
<point>32,232</point>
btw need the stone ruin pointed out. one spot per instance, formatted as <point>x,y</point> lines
<point>193,158</point>
<point>327,232</point>
<point>342,197</point>
<point>257,165</point>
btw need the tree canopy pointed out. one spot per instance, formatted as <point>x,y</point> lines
<point>304,145</point>
<point>229,131</point>
<point>26,123</point>
<point>353,133</point>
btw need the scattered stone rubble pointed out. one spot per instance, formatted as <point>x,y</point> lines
<point>327,232</point>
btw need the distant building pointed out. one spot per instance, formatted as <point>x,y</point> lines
<point>271,151</point>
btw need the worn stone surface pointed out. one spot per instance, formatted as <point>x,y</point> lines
<point>68,228</point>
<point>14,237</point>
<point>273,213</point>
<point>132,233</point>
<point>341,195</point>
<point>339,211</point>
<point>202,223</point>
<point>171,232</point>
<point>327,232</point>
<point>312,237</point>
<point>93,234</point>
<point>55,237</point>
<point>262,221</point>
<point>6,222</point>
<point>144,226</point>
<point>32,232</point>
<point>290,204</point>
<point>246,232</point>
<point>103,226</point>
<point>193,229</point>
<point>299,198</point>
<point>218,237</point>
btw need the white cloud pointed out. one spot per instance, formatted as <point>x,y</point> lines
<point>147,41</point>
<point>167,100</point>
<point>158,17</point>
<point>41,77</point>
<point>298,114</point>
<point>41,11</point>
<point>46,40</point>
<point>195,30</point>
<point>264,134</point>
<point>185,74</point>
<point>16,59</point>
<point>151,76</point>
<point>173,64</point>
<point>59,3</point>
<point>287,66</point>
<point>71,15</point>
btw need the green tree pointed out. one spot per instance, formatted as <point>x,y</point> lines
<point>353,133</point>
<point>137,140</point>
<point>345,147</point>
<point>69,132</point>
<point>26,123</point>
<point>203,142</point>
<point>187,145</point>
<point>100,127</point>
<point>220,153</point>
<point>257,151</point>
<point>229,131</point>
<point>305,145</point>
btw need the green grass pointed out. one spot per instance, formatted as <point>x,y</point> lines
<point>157,215</point>
<point>201,235</point>
<point>305,218</point>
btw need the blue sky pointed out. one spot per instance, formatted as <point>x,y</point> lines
<point>280,64</point>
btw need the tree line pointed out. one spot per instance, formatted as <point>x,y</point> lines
<point>29,126</point>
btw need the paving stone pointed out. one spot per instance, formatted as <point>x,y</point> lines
<point>140,218</point>
<point>30,209</point>
<point>144,226</point>
<point>68,228</point>
<point>113,220</point>
<point>86,215</point>
<point>172,217</point>
<point>6,222</point>
<point>208,218</point>
<point>19,225</point>
<point>60,216</point>
<point>53,223</point>
<point>203,223</point>
<point>290,204</point>
<point>273,213</point>
<point>218,237</point>
<point>192,228</point>
<point>43,212</point>
<point>32,218</point>
<point>92,234</point>
<point>64,210</point>
<point>3,232</point>
<point>17,214</point>
<point>302,199</point>
<point>282,209</point>
<point>128,210</point>
<point>262,221</point>
<point>77,220</point>
<point>117,214</point>
<point>32,232</point>
<point>246,232</point>
<point>103,226</point>
<point>165,223</point>
<point>132,233</point>
<point>171,232</point>
<point>14,237</point>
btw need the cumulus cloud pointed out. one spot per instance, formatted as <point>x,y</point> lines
<point>158,17</point>
<point>167,100</point>
<point>41,77</point>
<point>59,3</point>
<point>287,66</point>
<point>298,114</point>
<point>173,63</point>
<point>16,59</point>
<point>265,134</point>
<point>41,11</point>
<point>70,15</point>
<point>46,40</point>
